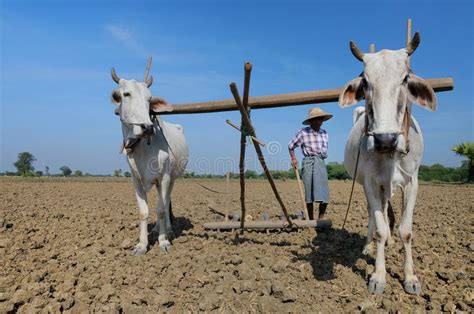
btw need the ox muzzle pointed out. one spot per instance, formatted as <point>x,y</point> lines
<point>147,129</point>
<point>385,142</point>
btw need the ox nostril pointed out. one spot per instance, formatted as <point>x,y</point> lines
<point>147,129</point>
<point>385,138</point>
<point>385,141</point>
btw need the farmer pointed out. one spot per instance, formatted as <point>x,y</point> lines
<point>314,144</point>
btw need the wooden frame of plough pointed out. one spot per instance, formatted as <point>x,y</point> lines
<point>244,105</point>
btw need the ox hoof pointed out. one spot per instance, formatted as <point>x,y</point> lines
<point>139,250</point>
<point>412,287</point>
<point>376,286</point>
<point>165,246</point>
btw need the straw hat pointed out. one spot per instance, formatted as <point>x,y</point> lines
<point>316,113</point>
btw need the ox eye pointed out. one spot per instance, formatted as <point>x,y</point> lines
<point>405,80</point>
<point>126,94</point>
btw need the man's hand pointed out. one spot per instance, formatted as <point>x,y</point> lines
<point>294,162</point>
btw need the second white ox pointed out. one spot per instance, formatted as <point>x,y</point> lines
<point>387,158</point>
<point>157,153</point>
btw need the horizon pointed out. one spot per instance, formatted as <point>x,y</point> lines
<point>62,54</point>
<point>259,171</point>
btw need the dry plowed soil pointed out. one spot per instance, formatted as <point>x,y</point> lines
<point>65,245</point>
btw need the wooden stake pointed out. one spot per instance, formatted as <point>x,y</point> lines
<point>243,141</point>
<point>408,38</point>
<point>372,48</point>
<point>227,197</point>
<point>248,125</point>
<point>242,172</point>
<point>300,189</point>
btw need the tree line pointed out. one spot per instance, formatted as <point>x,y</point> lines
<point>336,171</point>
<point>25,168</point>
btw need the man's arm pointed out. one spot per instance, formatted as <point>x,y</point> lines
<point>295,142</point>
<point>294,160</point>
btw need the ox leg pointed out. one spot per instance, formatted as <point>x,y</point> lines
<point>168,215</point>
<point>163,203</point>
<point>412,284</point>
<point>368,243</point>
<point>387,208</point>
<point>140,193</point>
<point>169,227</point>
<point>377,280</point>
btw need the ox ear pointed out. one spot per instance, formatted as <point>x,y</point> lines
<point>421,92</point>
<point>352,93</point>
<point>160,105</point>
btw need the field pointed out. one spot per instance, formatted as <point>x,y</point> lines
<point>65,245</point>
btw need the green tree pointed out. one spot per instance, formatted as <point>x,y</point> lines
<point>250,174</point>
<point>118,173</point>
<point>127,174</point>
<point>78,173</point>
<point>292,174</point>
<point>337,171</point>
<point>24,164</point>
<point>66,171</point>
<point>439,172</point>
<point>466,149</point>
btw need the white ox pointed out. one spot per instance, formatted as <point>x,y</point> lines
<point>387,159</point>
<point>157,153</point>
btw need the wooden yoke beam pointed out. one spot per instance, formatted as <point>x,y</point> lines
<point>283,100</point>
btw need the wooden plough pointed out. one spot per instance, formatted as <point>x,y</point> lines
<point>245,105</point>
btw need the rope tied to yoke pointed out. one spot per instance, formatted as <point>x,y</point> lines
<point>246,131</point>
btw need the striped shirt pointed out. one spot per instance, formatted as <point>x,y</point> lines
<point>312,143</point>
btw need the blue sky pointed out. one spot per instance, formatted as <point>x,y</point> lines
<point>56,58</point>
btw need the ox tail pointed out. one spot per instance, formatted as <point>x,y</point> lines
<point>391,217</point>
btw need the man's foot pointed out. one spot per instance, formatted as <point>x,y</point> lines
<point>322,210</point>
<point>310,208</point>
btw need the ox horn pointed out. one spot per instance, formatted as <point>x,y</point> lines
<point>356,51</point>
<point>115,77</point>
<point>147,81</point>
<point>413,44</point>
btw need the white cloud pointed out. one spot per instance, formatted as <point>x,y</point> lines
<point>123,36</point>
<point>120,34</point>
